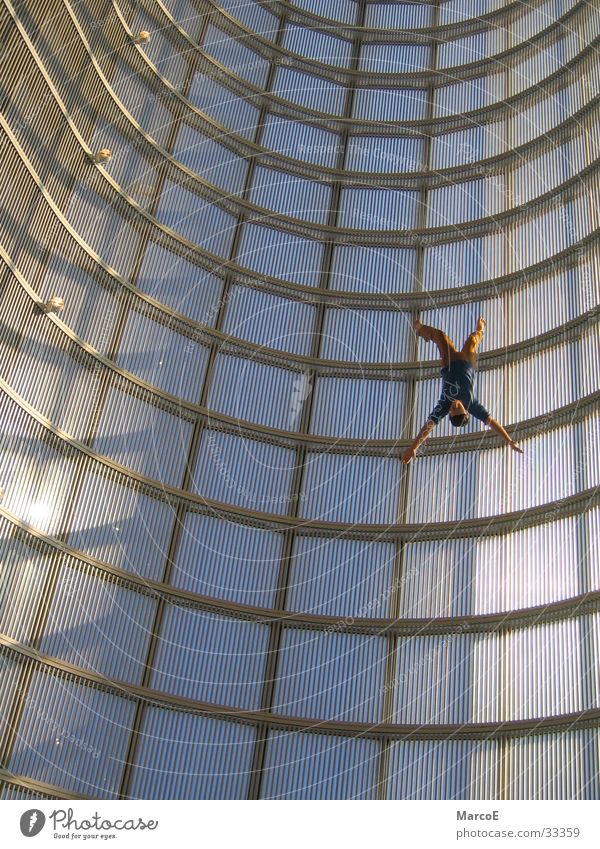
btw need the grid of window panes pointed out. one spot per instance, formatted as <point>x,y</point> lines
<point>210,432</point>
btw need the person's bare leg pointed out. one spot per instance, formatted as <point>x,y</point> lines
<point>473,341</point>
<point>442,340</point>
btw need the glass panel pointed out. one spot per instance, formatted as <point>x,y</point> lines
<point>122,526</point>
<point>63,390</point>
<point>186,756</point>
<point>269,320</point>
<point>330,676</point>
<point>142,103</point>
<point>309,91</point>
<point>98,624</point>
<point>210,160</point>
<point>389,104</point>
<point>317,45</point>
<point>197,658</point>
<point>346,488</point>
<point>554,766</point>
<point>378,209</point>
<point>454,264</point>
<point>394,58</point>
<point>241,471</point>
<point>223,106</point>
<point>319,766</point>
<point>301,141</point>
<point>235,56</point>
<point>384,154</point>
<point>292,196</point>
<point>73,735</point>
<point>390,16</point>
<point>338,10</point>
<point>447,679</point>
<point>105,231</point>
<point>366,336</point>
<point>275,399</point>
<point>143,437</point>
<point>227,560</point>
<point>163,357</point>
<point>198,220</point>
<point>23,572</point>
<point>376,269</point>
<point>342,577</point>
<point>36,477</point>
<point>253,15</point>
<point>358,409</point>
<point>279,254</point>
<point>445,769</point>
<point>181,285</point>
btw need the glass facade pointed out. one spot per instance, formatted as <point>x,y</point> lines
<point>218,579</point>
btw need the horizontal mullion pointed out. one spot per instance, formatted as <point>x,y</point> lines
<point>478,730</point>
<point>496,524</point>
<point>410,626</point>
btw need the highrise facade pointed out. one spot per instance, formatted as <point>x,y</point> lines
<point>217,577</point>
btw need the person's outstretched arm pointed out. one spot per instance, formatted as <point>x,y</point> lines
<point>411,452</point>
<point>499,429</point>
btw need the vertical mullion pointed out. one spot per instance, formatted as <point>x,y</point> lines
<point>400,554</point>
<point>199,427</point>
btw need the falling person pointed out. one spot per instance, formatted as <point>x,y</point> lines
<point>458,389</point>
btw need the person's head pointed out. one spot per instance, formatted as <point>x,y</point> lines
<point>458,414</point>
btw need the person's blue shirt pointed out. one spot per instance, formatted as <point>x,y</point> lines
<point>459,385</point>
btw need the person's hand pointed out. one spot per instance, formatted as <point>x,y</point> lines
<point>408,454</point>
<point>515,447</point>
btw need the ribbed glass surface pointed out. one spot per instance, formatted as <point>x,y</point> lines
<point>218,579</point>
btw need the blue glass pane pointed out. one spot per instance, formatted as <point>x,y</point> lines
<point>235,56</point>
<point>320,766</point>
<point>244,472</point>
<point>210,160</point>
<point>333,676</point>
<point>181,285</point>
<point>301,141</point>
<point>317,45</point>
<point>346,488</point>
<point>292,196</point>
<point>389,104</point>
<point>143,437</point>
<point>269,320</point>
<point>122,526</point>
<point>210,658</point>
<point>99,625</point>
<point>73,735</point>
<point>384,154</point>
<point>394,58</point>
<point>163,357</point>
<point>198,220</point>
<point>279,254</point>
<point>309,91</point>
<point>376,269</point>
<point>342,577</point>
<point>186,756</point>
<point>379,209</point>
<point>222,105</point>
